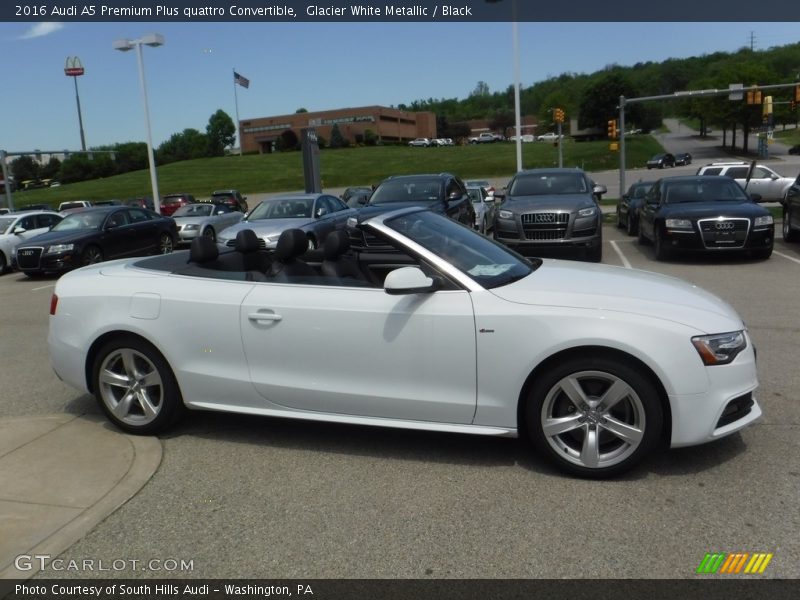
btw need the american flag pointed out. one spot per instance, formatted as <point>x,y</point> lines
<point>242,81</point>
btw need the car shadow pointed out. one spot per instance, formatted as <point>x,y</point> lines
<point>686,258</point>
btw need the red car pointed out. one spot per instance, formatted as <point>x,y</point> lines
<point>172,202</point>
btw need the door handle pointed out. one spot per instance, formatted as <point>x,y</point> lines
<point>264,316</point>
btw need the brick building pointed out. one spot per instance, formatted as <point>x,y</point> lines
<point>388,124</point>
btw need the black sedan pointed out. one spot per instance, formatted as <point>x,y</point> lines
<point>629,205</point>
<point>706,214</point>
<point>683,158</point>
<point>96,234</point>
<point>661,161</point>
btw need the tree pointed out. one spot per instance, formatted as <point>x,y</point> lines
<point>301,110</point>
<point>481,89</point>
<point>24,168</point>
<point>502,120</point>
<point>288,141</point>
<point>337,139</point>
<point>600,101</point>
<point>51,169</point>
<point>370,138</point>
<point>221,133</point>
<point>186,145</point>
<point>77,167</point>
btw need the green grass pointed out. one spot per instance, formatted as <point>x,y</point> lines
<point>283,171</point>
<point>789,137</point>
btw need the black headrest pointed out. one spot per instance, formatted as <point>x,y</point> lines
<point>247,241</point>
<point>336,244</point>
<point>291,244</point>
<point>203,250</point>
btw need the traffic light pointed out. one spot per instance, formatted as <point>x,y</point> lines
<point>796,94</point>
<point>612,129</point>
<point>766,108</point>
<point>753,96</point>
<point>558,115</point>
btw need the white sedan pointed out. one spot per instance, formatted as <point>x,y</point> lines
<point>596,365</point>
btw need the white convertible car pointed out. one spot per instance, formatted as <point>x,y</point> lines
<point>449,331</point>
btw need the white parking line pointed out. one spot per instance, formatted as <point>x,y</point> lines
<point>782,255</point>
<point>44,287</point>
<point>625,262</point>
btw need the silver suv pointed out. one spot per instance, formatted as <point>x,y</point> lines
<point>770,185</point>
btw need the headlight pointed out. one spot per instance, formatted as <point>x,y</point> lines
<point>586,212</point>
<point>763,221</point>
<point>719,348</point>
<point>678,224</point>
<point>191,227</point>
<point>505,214</point>
<point>58,248</point>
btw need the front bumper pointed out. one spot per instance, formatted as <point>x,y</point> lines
<point>698,241</point>
<point>527,233</point>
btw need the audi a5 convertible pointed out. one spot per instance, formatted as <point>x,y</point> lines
<point>596,365</point>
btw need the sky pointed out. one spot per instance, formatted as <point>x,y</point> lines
<point>316,66</point>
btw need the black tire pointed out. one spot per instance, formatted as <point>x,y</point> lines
<point>620,224</point>
<point>595,254</point>
<point>210,234</point>
<point>34,274</point>
<point>165,244</point>
<point>3,263</point>
<point>643,241</point>
<point>661,251</point>
<point>789,234</point>
<point>586,437</point>
<point>631,227</point>
<point>762,253</point>
<point>91,255</point>
<point>150,400</point>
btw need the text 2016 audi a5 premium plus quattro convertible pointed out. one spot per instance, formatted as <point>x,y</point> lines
<point>596,365</point>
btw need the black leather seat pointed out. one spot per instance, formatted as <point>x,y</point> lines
<point>335,263</point>
<point>253,257</point>
<point>286,265</point>
<point>203,251</point>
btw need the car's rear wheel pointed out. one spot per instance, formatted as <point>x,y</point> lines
<point>620,224</point>
<point>165,243</point>
<point>91,255</point>
<point>789,234</point>
<point>3,263</point>
<point>593,416</point>
<point>135,386</point>
<point>210,234</point>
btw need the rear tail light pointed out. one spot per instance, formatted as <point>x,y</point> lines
<point>53,304</point>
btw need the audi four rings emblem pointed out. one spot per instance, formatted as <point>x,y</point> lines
<point>545,218</point>
<point>721,226</point>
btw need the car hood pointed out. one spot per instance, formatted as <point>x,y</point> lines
<point>555,202</point>
<point>265,227</point>
<point>60,237</point>
<point>190,220</point>
<point>371,210</point>
<point>700,210</point>
<point>617,289</point>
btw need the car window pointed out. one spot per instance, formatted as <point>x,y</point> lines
<point>713,171</point>
<point>83,220</point>
<point>737,172</point>
<point>282,208</point>
<point>117,219</point>
<point>338,204</point>
<point>703,190</point>
<point>48,220</point>
<point>415,190</point>
<point>548,183</point>
<point>5,224</point>
<point>137,215</point>
<point>761,173</point>
<point>28,222</point>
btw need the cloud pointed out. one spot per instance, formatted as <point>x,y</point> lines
<point>41,29</point>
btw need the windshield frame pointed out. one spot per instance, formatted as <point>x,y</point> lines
<point>563,178</point>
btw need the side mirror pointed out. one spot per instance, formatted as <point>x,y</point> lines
<point>409,280</point>
<point>599,190</point>
<point>19,229</point>
<point>499,195</point>
<point>756,198</point>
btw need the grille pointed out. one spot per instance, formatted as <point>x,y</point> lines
<point>262,244</point>
<point>28,258</point>
<point>736,409</point>
<point>545,226</point>
<point>724,233</point>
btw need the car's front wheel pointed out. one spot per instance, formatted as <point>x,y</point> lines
<point>210,234</point>
<point>630,226</point>
<point>91,255</point>
<point>135,386</point>
<point>661,250</point>
<point>594,416</point>
<point>165,243</point>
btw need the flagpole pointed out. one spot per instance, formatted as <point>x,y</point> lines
<point>238,123</point>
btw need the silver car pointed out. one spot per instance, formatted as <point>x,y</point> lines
<point>484,207</point>
<point>316,214</point>
<point>204,218</point>
<point>18,227</point>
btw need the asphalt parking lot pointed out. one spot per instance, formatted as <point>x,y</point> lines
<point>258,497</point>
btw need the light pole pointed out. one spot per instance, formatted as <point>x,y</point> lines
<point>73,68</point>
<point>153,39</point>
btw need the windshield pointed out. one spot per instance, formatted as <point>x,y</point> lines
<point>475,194</point>
<point>282,208</point>
<point>415,190</point>
<point>488,263</point>
<point>549,183</point>
<point>195,210</point>
<point>704,190</point>
<point>83,220</point>
<point>5,224</point>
